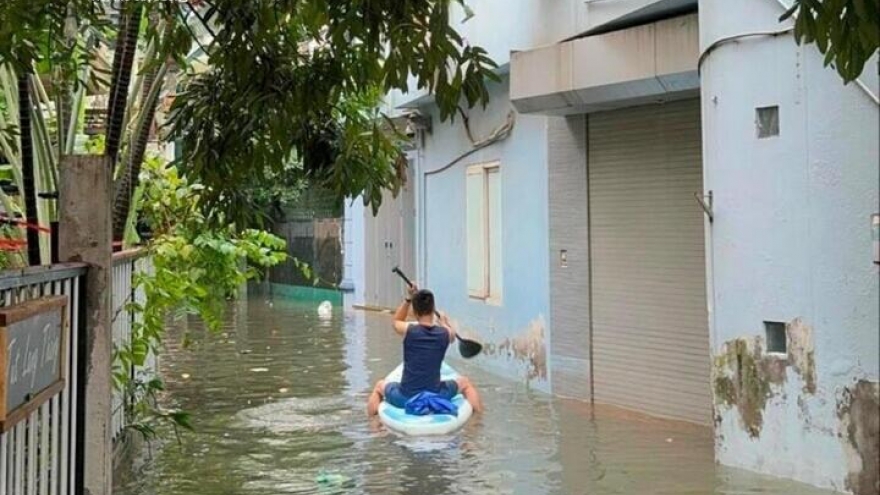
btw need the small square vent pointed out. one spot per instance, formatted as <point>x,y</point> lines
<point>776,340</point>
<point>767,121</point>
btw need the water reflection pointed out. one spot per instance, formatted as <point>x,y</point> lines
<point>278,401</point>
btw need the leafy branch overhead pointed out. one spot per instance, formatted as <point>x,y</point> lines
<point>278,86</point>
<point>284,79</point>
<point>35,31</point>
<point>847,32</point>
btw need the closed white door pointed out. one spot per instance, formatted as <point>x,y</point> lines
<point>390,238</point>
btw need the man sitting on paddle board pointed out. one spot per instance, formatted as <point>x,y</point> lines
<point>424,347</point>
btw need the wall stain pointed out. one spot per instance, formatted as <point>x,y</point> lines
<point>857,409</point>
<point>744,375</point>
<point>529,347</point>
<point>740,382</point>
<point>801,352</point>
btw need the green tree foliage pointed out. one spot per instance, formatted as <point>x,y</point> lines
<point>269,197</point>
<point>280,80</point>
<point>40,40</point>
<point>847,32</point>
<point>285,80</point>
<point>197,266</point>
<point>201,258</point>
<point>45,31</point>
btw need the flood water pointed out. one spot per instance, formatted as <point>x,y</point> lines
<point>278,405</point>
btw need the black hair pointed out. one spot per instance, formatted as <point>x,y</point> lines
<point>423,303</point>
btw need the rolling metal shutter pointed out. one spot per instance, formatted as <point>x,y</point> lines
<point>650,323</point>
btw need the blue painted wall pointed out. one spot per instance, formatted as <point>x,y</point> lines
<point>515,331</point>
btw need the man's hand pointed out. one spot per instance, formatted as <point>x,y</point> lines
<point>400,323</point>
<point>445,323</point>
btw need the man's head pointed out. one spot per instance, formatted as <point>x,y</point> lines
<point>423,303</point>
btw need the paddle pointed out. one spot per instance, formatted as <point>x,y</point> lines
<point>468,348</point>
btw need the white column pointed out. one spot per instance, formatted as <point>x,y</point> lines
<point>353,252</point>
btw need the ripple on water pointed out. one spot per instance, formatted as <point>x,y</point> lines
<point>314,414</point>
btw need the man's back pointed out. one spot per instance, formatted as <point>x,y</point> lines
<point>423,351</point>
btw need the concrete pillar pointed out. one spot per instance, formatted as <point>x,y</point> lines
<point>568,201</point>
<point>353,278</point>
<point>86,236</point>
<point>347,283</point>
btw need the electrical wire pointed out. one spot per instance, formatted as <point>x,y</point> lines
<point>736,37</point>
<point>729,39</point>
<point>501,133</point>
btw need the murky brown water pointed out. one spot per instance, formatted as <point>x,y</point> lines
<point>278,404</point>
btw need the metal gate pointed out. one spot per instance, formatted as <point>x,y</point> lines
<point>649,318</point>
<point>43,453</point>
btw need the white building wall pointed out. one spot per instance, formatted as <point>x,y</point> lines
<point>505,26</point>
<point>791,243</point>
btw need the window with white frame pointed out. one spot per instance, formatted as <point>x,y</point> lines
<point>484,232</point>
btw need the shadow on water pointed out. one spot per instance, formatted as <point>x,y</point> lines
<point>278,403</point>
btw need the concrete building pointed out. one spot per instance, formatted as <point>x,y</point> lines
<point>793,283</point>
<point>665,207</point>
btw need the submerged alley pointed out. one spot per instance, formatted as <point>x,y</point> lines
<point>277,401</point>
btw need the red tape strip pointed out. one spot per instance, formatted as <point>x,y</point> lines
<point>26,225</point>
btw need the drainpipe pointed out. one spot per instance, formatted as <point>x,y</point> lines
<point>421,217</point>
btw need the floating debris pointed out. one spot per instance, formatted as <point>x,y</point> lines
<point>259,370</point>
<point>185,376</point>
<point>334,480</point>
<point>325,310</point>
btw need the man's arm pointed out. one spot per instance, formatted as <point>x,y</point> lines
<point>400,316</point>
<point>400,323</point>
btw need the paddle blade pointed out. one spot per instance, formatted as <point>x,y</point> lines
<point>469,348</point>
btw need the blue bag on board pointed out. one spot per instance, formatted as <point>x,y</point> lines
<point>424,403</point>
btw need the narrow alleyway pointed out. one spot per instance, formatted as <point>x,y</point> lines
<point>277,401</point>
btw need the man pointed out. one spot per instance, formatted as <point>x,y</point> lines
<point>424,347</point>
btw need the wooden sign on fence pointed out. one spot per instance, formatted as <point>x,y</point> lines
<point>33,337</point>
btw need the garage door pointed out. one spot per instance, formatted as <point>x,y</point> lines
<point>650,327</point>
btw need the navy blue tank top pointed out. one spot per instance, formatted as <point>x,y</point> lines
<point>423,351</point>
